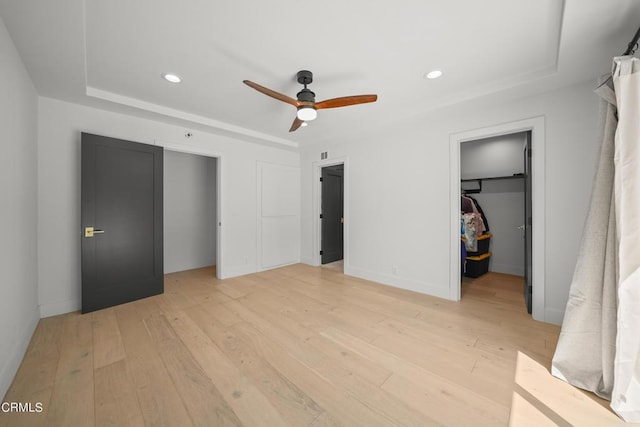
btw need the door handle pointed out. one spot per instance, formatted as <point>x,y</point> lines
<point>90,231</point>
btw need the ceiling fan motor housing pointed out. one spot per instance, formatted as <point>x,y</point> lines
<point>305,77</point>
<point>306,95</point>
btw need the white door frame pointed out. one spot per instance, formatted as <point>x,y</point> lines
<point>201,151</point>
<point>536,126</point>
<point>317,203</point>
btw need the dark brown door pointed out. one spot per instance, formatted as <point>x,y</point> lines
<point>332,242</point>
<point>121,203</point>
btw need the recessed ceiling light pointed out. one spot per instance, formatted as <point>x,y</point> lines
<point>173,78</point>
<point>433,74</point>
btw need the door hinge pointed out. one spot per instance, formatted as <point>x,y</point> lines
<point>320,179</point>
<point>320,216</point>
<point>321,252</point>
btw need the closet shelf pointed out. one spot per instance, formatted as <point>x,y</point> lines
<point>493,178</point>
<point>489,178</point>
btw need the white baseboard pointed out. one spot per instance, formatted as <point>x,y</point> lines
<point>273,267</point>
<point>441,291</point>
<point>11,365</point>
<point>554,316</point>
<point>238,270</point>
<point>516,270</point>
<point>59,307</point>
<point>307,260</point>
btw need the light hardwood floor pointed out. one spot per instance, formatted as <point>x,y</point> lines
<point>296,346</point>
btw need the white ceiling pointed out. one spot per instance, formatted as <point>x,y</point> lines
<point>112,53</point>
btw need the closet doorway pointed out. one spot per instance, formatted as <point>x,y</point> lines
<point>509,187</point>
<point>495,205</point>
<point>191,212</point>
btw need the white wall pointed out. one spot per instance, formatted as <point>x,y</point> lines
<point>18,207</point>
<point>189,211</point>
<point>502,201</point>
<point>400,195</point>
<point>496,156</point>
<point>60,124</point>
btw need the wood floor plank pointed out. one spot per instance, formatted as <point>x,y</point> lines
<point>525,414</point>
<point>294,405</point>
<point>241,393</point>
<point>237,287</point>
<point>160,402</point>
<point>74,376</point>
<point>202,399</point>
<point>339,403</point>
<point>220,312</point>
<point>36,376</point>
<point>293,337</point>
<point>416,382</point>
<point>107,344</point>
<point>115,397</point>
<point>197,286</point>
<point>437,403</point>
<point>559,398</point>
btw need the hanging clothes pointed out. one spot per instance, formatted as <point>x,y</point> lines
<point>472,224</point>
<point>468,205</point>
<point>482,215</point>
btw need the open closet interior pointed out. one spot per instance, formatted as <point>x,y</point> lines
<point>190,211</point>
<point>495,203</point>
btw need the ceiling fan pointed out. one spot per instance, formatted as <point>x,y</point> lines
<point>306,99</point>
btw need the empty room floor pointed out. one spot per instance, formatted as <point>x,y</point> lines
<point>296,346</point>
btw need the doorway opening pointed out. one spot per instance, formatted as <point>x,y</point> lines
<point>495,199</point>
<point>332,217</point>
<point>191,212</point>
<point>534,128</point>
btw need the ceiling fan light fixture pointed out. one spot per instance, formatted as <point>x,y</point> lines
<point>307,113</point>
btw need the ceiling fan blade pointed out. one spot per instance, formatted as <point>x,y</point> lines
<point>346,101</point>
<point>272,93</point>
<point>296,124</point>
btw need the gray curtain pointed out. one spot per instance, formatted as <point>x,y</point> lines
<point>599,346</point>
<point>585,353</point>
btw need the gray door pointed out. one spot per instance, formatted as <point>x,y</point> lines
<point>121,221</point>
<point>528,285</point>
<point>332,218</point>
